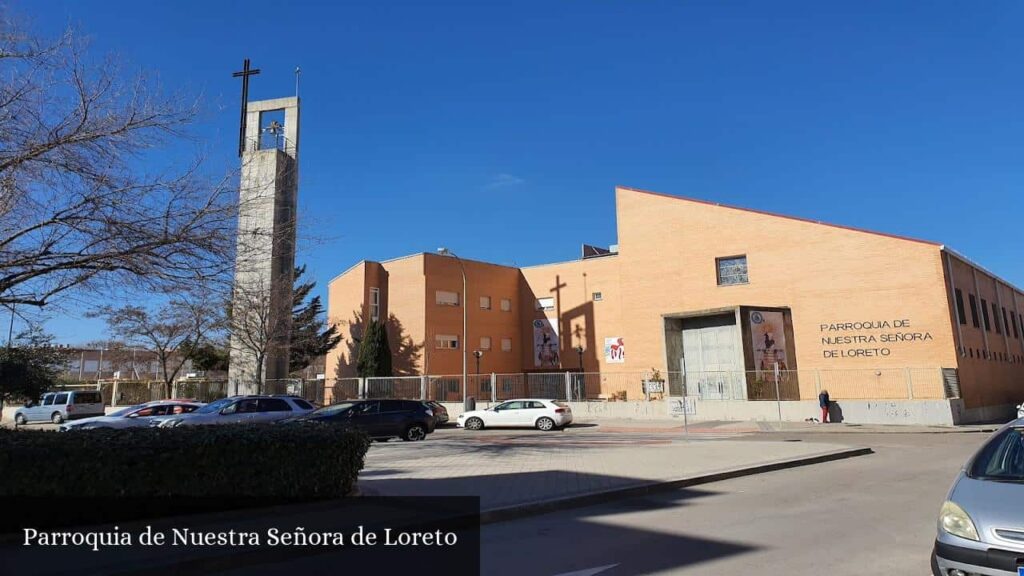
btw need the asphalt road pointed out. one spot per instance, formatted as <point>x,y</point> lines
<point>868,515</point>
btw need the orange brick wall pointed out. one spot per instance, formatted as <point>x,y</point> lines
<point>991,364</point>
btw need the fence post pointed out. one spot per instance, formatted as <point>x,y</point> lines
<point>174,389</point>
<point>113,395</point>
<point>362,389</point>
<point>568,387</point>
<point>494,388</point>
<point>910,385</point>
<point>423,388</point>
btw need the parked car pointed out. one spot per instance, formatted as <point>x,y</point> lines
<point>440,412</point>
<point>529,412</point>
<point>409,420</point>
<point>135,416</point>
<point>1020,410</point>
<point>981,523</point>
<point>57,407</point>
<point>247,409</point>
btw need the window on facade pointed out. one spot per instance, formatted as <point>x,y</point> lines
<point>974,309</point>
<point>984,315</point>
<point>546,304</point>
<point>506,305</point>
<point>375,304</point>
<point>1006,323</point>
<point>445,298</point>
<point>485,302</point>
<point>597,296</point>
<point>995,318</point>
<point>1013,321</point>
<point>485,342</point>
<point>732,270</point>
<point>446,342</point>
<point>506,344</point>
<point>960,313</point>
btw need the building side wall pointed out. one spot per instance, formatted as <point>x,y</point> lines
<point>402,283</point>
<point>825,275</point>
<point>581,320</point>
<point>346,309</point>
<point>494,281</point>
<point>991,362</point>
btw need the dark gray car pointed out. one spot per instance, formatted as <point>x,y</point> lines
<point>981,523</point>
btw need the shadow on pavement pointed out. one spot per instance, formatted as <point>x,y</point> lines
<point>536,546</point>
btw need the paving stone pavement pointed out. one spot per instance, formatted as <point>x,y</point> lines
<point>516,468</point>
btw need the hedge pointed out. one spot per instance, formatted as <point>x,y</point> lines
<point>301,461</point>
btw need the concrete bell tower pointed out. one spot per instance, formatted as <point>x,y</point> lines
<point>265,259</point>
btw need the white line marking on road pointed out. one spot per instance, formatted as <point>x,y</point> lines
<point>588,571</point>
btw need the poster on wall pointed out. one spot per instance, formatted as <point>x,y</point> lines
<point>545,344</point>
<point>768,336</point>
<point>614,350</point>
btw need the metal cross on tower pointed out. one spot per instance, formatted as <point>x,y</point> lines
<point>244,74</point>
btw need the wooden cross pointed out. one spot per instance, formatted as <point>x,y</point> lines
<point>244,74</point>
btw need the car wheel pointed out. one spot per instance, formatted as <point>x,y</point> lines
<point>474,424</point>
<point>57,418</point>
<point>414,433</point>
<point>546,424</point>
<point>20,420</point>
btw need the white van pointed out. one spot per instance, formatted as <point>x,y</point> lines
<point>59,406</point>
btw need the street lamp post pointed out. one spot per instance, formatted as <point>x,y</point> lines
<point>478,354</point>
<point>10,329</point>
<point>465,322</point>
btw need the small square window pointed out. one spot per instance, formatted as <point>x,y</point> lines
<point>445,298</point>
<point>596,296</point>
<point>485,302</point>
<point>732,270</point>
<point>506,305</point>
<point>485,342</point>
<point>446,342</point>
<point>506,344</point>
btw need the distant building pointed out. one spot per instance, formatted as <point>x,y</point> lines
<point>723,295</point>
<point>85,364</point>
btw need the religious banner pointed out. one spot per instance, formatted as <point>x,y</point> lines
<point>545,344</point>
<point>614,350</point>
<point>768,336</point>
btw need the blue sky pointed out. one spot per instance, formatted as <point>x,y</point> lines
<point>500,129</point>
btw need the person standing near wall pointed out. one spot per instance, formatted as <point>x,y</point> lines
<point>823,401</point>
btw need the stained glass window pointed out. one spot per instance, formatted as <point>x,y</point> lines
<point>732,270</point>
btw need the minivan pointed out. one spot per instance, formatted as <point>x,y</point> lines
<point>59,406</point>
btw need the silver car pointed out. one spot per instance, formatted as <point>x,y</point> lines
<point>981,523</point>
<point>240,410</point>
<point>138,416</point>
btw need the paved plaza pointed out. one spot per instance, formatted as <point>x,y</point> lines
<point>512,468</point>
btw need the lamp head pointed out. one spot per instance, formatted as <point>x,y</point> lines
<point>444,251</point>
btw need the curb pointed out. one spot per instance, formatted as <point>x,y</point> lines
<point>545,506</point>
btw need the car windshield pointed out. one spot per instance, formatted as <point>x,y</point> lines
<point>125,411</point>
<point>332,409</point>
<point>214,407</point>
<point>1002,459</point>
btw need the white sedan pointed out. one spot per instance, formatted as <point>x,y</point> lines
<point>527,412</point>
<point>134,416</point>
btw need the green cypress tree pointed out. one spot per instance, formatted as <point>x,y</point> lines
<point>374,352</point>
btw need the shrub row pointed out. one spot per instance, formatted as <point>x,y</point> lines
<point>283,461</point>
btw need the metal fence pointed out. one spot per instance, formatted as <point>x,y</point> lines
<point>767,385</point>
<point>753,385</point>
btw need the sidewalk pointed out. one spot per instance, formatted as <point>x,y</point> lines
<point>676,426</point>
<point>524,476</point>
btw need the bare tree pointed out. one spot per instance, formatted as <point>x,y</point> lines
<point>170,332</point>
<point>77,208</point>
<point>255,328</point>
